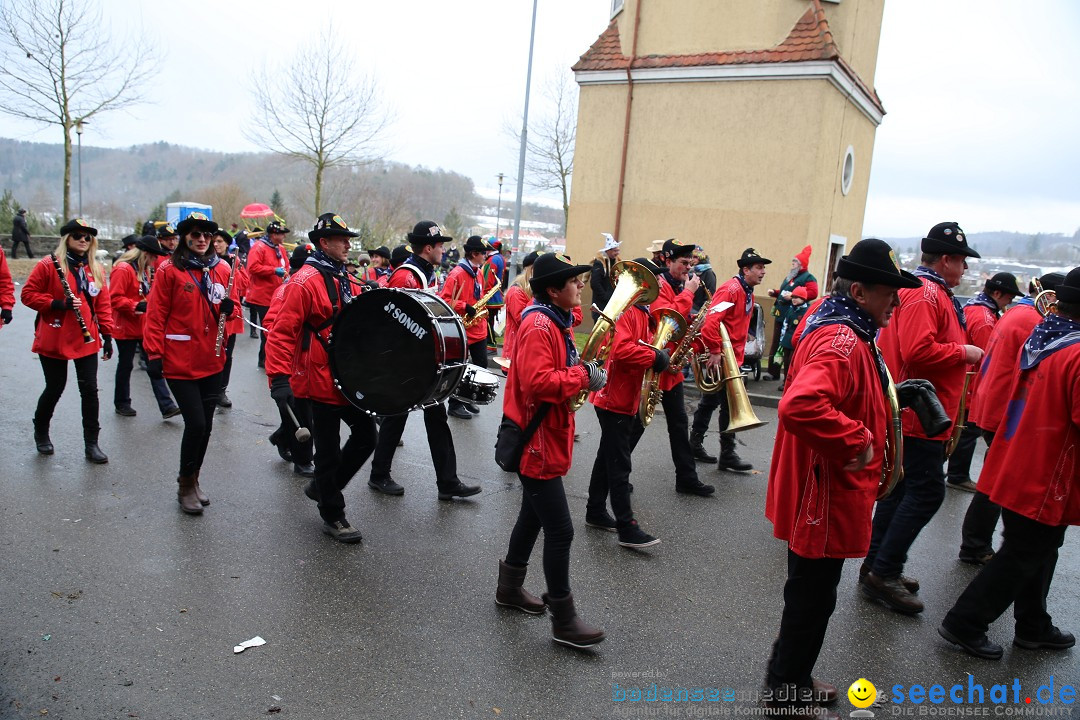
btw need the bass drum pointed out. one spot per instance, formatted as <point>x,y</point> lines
<point>394,350</point>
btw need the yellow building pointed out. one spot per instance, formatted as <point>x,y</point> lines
<point>729,123</point>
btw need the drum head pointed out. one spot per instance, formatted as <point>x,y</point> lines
<point>392,350</point>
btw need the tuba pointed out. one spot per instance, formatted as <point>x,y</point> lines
<point>740,413</point>
<point>892,467</point>
<point>961,417</point>
<point>634,284</point>
<point>670,327</point>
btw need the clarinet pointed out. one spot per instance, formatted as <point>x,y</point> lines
<point>222,318</point>
<point>87,338</point>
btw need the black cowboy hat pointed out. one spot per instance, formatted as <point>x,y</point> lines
<point>382,251</point>
<point>129,240</point>
<point>1004,282</point>
<point>675,248</point>
<point>475,243</point>
<point>1049,281</point>
<point>399,255</point>
<point>299,256</point>
<point>77,225</point>
<point>330,225</point>
<point>166,230</point>
<point>150,244</point>
<point>427,232</point>
<point>873,261</point>
<point>649,265</point>
<point>947,238</point>
<point>195,221</point>
<point>276,226</point>
<point>749,257</point>
<point>553,270</point>
<point>1069,291</point>
<point>529,259</point>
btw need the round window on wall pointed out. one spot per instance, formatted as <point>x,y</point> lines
<point>849,170</point>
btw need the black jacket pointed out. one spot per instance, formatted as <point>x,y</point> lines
<point>19,230</point>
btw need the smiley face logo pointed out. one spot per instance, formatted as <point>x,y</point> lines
<point>862,693</point>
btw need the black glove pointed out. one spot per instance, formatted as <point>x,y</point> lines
<point>908,391</point>
<point>154,369</point>
<point>661,361</point>
<point>597,375</point>
<point>470,312</point>
<point>65,304</point>
<point>140,307</point>
<point>5,315</point>
<point>106,347</point>
<point>280,389</point>
<point>924,401</point>
<point>227,306</point>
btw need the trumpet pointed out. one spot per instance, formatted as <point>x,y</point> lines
<point>634,284</point>
<point>670,327</point>
<point>892,467</point>
<point>481,306</point>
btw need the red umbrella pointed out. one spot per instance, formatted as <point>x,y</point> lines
<point>256,215</point>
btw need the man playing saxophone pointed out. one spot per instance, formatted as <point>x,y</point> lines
<point>463,289</point>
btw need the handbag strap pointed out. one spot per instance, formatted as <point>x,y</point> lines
<point>530,429</point>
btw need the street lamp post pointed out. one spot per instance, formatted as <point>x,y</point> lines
<point>78,131</point>
<point>524,131</point>
<point>498,213</point>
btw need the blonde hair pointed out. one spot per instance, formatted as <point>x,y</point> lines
<point>91,258</point>
<point>141,259</point>
<point>522,281</point>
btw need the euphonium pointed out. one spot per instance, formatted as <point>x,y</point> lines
<point>481,306</point>
<point>634,284</point>
<point>1045,300</point>
<point>960,422</point>
<point>740,413</point>
<point>892,466</point>
<point>709,380</point>
<point>670,327</point>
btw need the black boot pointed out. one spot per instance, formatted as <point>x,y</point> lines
<point>93,452</point>
<point>697,446</point>
<point>567,628</point>
<point>729,459</point>
<point>510,592</point>
<point>41,437</point>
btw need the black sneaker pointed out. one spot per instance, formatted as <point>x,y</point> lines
<point>458,489</point>
<point>473,408</point>
<point>342,531</point>
<point>699,488</point>
<point>386,485</point>
<point>601,522</point>
<point>223,400</point>
<point>634,537</point>
<point>170,412</point>
<point>305,470</point>
<point>126,411</point>
<point>461,412</point>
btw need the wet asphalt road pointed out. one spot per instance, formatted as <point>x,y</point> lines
<point>113,604</point>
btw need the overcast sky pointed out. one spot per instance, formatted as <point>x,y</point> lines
<point>983,98</point>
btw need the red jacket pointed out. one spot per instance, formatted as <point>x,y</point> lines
<point>235,326</point>
<point>538,374</point>
<point>980,322</point>
<point>298,381</point>
<point>262,264</point>
<point>125,294</point>
<point>1033,466</point>
<point>516,301</point>
<point>56,332</point>
<point>681,303</point>
<point>180,326</point>
<point>925,340</point>
<point>305,301</point>
<point>833,407</point>
<point>797,334</point>
<point>468,292</point>
<point>736,319</point>
<point>407,276</point>
<point>7,287</point>
<point>1001,365</point>
<point>627,362</point>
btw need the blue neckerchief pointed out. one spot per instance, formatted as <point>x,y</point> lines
<point>702,267</point>
<point>467,266</point>
<point>426,269</point>
<point>382,271</point>
<point>676,285</point>
<point>1029,302</point>
<point>983,299</point>
<point>1052,334</point>
<point>266,241</point>
<point>328,266</point>
<point>924,272</point>
<point>749,293</point>
<point>838,310</point>
<point>563,319</point>
<point>77,264</point>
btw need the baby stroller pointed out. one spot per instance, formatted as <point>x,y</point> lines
<point>755,344</point>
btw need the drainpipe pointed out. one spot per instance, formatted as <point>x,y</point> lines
<point>626,125</point>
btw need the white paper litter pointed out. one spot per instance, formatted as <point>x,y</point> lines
<point>253,642</point>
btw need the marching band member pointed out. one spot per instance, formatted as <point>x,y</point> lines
<point>267,266</point>
<point>234,325</point>
<point>1032,473</point>
<point>462,289</point>
<point>418,273</point>
<point>179,335</point>
<point>616,406</point>
<point>740,292</point>
<point>677,291</point>
<point>1000,367</point>
<point>7,291</point>
<point>73,323</point>
<point>168,239</point>
<point>925,340</point>
<point>544,375</point>
<point>297,345</point>
<point>129,287</point>
<point>493,273</point>
<point>379,270</point>
<point>826,464</point>
<point>600,275</point>
<point>518,297</point>
<point>981,313</point>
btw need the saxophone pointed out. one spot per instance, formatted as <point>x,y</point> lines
<point>681,354</point>
<point>481,306</point>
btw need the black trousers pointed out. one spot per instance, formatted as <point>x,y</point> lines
<point>778,327</point>
<point>55,371</point>
<point>900,517</point>
<point>440,444</point>
<point>197,400</point>
<point>709,404</point>
<point>675,416</point>
<point>543,506</point>
<point>809,601</point>
<point>258,312</point>
<point>960,461</point>
<point>335,465</point>
<point>477,356</point>
<point>125,361</point>
<point>286,431</point>
<point>1019,575</point>
<point>612,467</point>
<point>980,520</point>
<point>230,343</point>
<point>15,248</point>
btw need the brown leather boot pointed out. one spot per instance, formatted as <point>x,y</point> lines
<point>203,498</point>
<point>185,495</point>
<point>567,628</point>
<point>511,593</point>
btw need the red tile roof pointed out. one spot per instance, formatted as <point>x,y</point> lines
<point>810,39</point>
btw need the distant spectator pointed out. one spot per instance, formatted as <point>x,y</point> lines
<point>20,233</point>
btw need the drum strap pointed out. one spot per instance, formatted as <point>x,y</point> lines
<point>314,330</point>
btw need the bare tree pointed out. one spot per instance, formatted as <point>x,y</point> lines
<point>318,109</point>
<point>60,66</point>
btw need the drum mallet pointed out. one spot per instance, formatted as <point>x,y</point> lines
<point>302,433</point>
